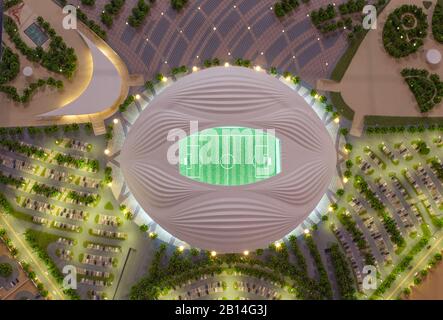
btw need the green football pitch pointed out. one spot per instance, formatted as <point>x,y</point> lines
<point>229,156</point>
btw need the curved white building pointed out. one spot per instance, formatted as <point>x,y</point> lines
<point>229,218</point>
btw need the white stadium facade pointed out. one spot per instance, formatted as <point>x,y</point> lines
<point>229,218</point>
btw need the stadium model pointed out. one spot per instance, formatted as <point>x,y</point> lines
<point>229,218</point>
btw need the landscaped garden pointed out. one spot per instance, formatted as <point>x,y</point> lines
<point>5,270</point>
<point>282,8</point>
<point>403,34</point>
<point>427,89</point>
<point>416,150</point>
<point>273,264</point>
<point>178,5</point>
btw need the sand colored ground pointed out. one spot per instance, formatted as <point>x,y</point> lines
<point>431,288</point>
<point>50,99</point>
<point>373,84</point>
